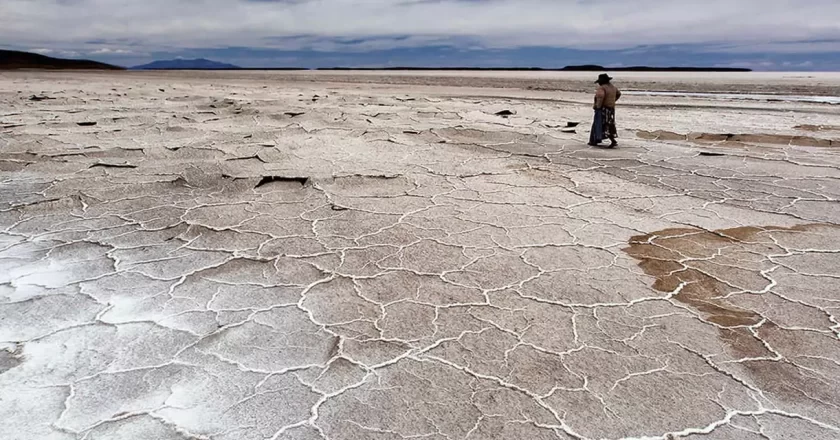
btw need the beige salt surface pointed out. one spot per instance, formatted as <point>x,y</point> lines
<point>252,255</point>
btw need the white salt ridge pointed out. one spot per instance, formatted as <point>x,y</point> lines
<point>743,96</point>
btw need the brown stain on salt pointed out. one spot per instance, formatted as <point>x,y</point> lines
<point>659,254</point>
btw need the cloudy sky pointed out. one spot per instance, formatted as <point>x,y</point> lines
<point>762,34</point>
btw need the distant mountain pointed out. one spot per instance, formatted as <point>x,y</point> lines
<point>12,59</point>
<point>181,64</point>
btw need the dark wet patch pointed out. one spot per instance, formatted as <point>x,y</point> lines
<point>335,347</point>
<point>11,358</point>
<point>254,157</point>
<point>234,178</point>
<point>222,104</point>
<point>113,165</point>
<point>179,181</point>
<point>274,179</point>
<point>35,203</point>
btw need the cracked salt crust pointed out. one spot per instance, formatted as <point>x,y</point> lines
<point>225,260</point>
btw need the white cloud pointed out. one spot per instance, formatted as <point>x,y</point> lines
<point>53,52</point>
<point>109,51</point>
<point>169,24</point>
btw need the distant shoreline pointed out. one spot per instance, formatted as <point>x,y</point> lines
<point>17,60</point>
<point>583,68</point>
<point>467,69</point>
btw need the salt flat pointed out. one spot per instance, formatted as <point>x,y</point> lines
<point>251,255</point>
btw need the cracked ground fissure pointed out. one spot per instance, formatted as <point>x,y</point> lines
<point>224,261</point>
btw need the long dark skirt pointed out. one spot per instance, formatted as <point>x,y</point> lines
<point>603,126</point>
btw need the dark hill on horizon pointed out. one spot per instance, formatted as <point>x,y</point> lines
<point>182,64</point>
<point>13,59</point>
<point>597,68</point>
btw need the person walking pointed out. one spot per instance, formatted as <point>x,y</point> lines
<point>604,124</point>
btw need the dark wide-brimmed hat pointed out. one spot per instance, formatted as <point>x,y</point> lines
<point>603,78</point>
